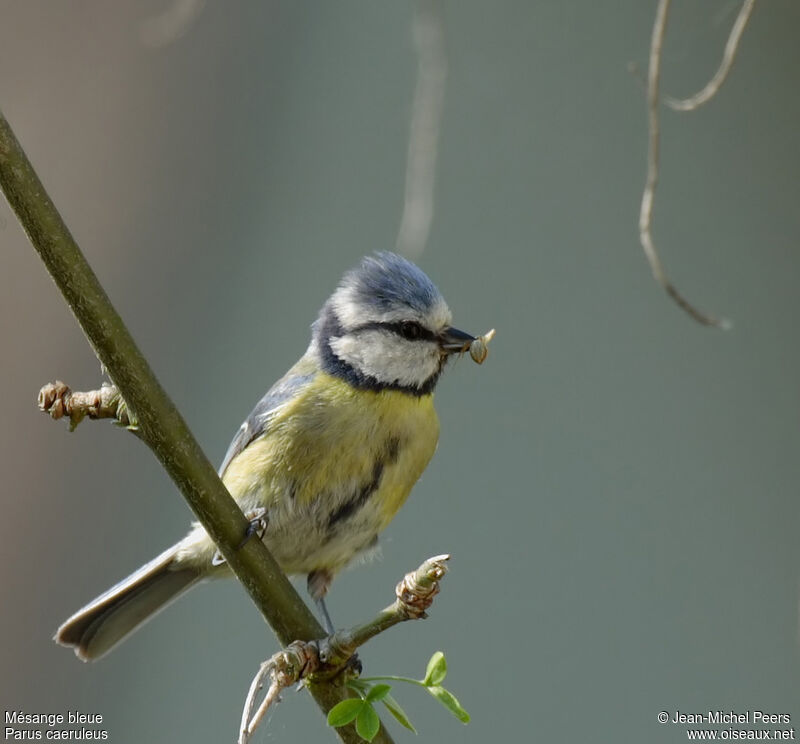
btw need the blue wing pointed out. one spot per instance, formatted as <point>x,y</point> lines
<point>257,423</point>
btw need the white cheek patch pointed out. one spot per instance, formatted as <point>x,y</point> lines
<point>388,358</point>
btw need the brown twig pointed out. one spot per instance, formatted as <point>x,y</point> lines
<point>284,669</point>
<point>315,661</point>
<point>648,196</point>
<point>58,400</point>
<point>712,87</point>
<point>423,139</point>
<point>414,595</point>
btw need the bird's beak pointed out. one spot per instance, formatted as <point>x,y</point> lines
<point>453,341</point>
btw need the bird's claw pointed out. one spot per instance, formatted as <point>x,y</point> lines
<point>257,525</point>
<point>354,665</point>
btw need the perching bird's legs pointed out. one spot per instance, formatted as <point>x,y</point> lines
<point>326,617</point>
<point>318,583</point>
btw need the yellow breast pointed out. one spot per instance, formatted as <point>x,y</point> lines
<point>333,468</point>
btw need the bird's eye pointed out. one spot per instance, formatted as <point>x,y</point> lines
<point>410,330</point>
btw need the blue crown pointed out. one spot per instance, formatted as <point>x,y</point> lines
<point>386,280</point>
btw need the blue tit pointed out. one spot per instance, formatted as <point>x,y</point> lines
<point>328,455</point>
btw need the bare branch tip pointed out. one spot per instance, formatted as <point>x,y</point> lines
<point>285,668</point>
<point>58,400</point>
<point>648,195</point>
<point>721,75</point>
<point>701,317</point>
<point>416,591</point>
<point>53,398</point>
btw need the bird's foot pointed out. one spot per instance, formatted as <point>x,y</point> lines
<point>257,525</point>
<point>354,665</point>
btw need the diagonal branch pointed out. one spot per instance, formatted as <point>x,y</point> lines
<point>713,85</point>
<point>648,196</point>
<point>160,424</point>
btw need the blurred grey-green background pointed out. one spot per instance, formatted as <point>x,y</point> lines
<point>618,486</point>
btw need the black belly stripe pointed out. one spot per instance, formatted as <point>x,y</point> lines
<point>347,509</point>
<point>392,450</point>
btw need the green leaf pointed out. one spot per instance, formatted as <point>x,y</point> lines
<point>367,722</point>
<point>400,715</point>
<point>359,685</point>
<point>342,713</point>
<point>446,698</point>
<point>436,671</point>
<point>378,692</point>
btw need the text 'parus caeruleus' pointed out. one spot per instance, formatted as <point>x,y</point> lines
<point>327,456</point>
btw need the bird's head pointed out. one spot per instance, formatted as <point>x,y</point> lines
<point>387,326</point>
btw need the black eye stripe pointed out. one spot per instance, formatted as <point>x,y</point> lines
<point>405,329</point>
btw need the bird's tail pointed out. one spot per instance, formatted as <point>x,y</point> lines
<point>94,630</point>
